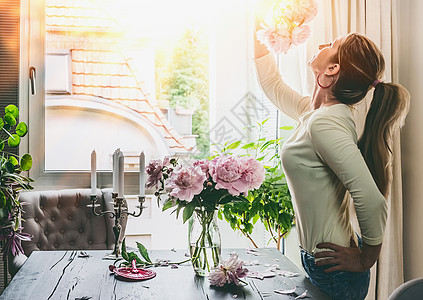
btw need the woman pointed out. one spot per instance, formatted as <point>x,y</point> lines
<point>324,159</point>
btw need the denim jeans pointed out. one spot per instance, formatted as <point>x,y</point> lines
<point>339,285</point>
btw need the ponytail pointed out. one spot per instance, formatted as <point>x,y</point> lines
<point>362,64</point>
<point>387,112</point>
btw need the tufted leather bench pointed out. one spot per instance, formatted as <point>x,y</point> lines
<point>61,220</point>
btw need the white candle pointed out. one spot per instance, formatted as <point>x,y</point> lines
<point>93,172</point>
<point>142,174</point>
<point>115,170</point>
<point>121,174</point>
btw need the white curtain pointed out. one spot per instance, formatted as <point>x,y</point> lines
<point>377,20</point>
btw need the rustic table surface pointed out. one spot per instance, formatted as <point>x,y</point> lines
<point>65,275</point>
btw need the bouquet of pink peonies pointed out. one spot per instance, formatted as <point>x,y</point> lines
<point>198,189</point>
<point>204,184</point>
<point>288,25</point>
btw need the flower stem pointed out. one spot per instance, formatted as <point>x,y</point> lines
<point>202,259</point>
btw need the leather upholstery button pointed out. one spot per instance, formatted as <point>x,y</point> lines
<point>72,243</point>
<point>88,216</point>
<point>62,231</point>
<point>41,206</point>
<point>77,204</point>
<point>45,232</point>
<point>53,218</point>
<point>38,245</point>
<point>90,242</point>
<point>69,218</point>
<point>56,245</point>
<point>36,219</point>
<point>80,230</point>
<point>59,206</point>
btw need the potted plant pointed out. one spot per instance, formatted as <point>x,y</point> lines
<point>271,202</point>
<point>12,181</point>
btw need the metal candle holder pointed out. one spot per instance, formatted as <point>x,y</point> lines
<point>118,213</point>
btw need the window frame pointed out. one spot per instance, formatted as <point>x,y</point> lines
<point>33,111</point>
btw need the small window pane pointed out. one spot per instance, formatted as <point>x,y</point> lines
<point>58,75</point>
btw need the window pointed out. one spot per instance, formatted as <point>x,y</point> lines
<point>154,76</point>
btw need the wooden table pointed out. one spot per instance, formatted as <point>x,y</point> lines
<point>64,275</point>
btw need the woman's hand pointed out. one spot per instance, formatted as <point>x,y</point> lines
<point>343,258</point>
<point>350,259</point>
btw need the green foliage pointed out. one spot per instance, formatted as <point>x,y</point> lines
<point>182,78</point>
<point>21,129</point>
<point>271,202</point>
<point>12,181</point>
<point>26,162</point>
<point>14,140</point>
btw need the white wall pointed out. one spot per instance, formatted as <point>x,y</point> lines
<point>410,68</point>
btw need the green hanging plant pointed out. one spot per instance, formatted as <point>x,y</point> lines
<point>12,181</point>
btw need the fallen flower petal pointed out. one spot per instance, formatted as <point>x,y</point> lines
<point>261,275</point>
<point>286,291</point>
<point>288,274</point>
<point>255,275</point>
<point>302,296</point>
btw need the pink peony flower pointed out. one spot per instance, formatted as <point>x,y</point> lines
<point>236,174</point>
<point>186,182</point>
<point>277,39</point>
<point>254,175</point>
<point>226,172</point>
<point>229,271</point>
<point>154,171</point>
<point>289,25</point>
<point>300,34</point>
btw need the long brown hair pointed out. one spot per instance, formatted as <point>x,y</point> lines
<point>362,65</point>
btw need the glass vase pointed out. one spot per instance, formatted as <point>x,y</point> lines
<point>204,241</point>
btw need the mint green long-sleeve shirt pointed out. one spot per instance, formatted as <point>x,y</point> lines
<point>322,162</point>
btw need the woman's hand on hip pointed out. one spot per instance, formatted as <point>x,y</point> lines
<point>341,258</point>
